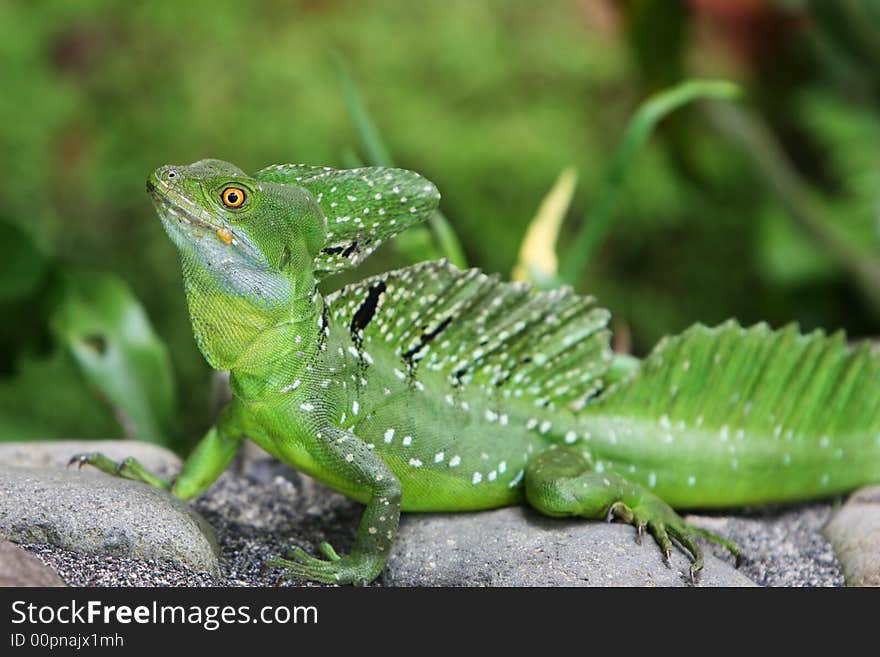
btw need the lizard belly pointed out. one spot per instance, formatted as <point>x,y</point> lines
<point>448,457</point>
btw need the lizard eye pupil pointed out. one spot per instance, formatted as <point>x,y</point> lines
<point>232,197</point>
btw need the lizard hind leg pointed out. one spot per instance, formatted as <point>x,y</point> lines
<point>561,482</point>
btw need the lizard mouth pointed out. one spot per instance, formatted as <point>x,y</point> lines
<point>189,225</point>
<point>175,208</point>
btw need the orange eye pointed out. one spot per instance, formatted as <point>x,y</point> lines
<point>232,197</point>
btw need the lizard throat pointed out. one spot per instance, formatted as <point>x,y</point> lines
<point>280,355</point>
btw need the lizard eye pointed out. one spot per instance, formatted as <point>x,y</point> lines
<point>233,197</point>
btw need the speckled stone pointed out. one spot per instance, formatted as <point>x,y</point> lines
<point>781,545</point>
<point>519,547</point>
<point>92,512</point>
<point>57,453</point>
<point>260,508</point>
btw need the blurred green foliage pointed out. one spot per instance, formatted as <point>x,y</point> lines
<point>489,99</point>
<point>105,330</point>
<point>80,357</point>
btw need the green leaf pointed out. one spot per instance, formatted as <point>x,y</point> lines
<point>108,334</point>
<point>857,258</point>
<point>446,239</point>
<point>785,255</point>
<point>373,145</point>
<point>729,400</point>
<point>417,245</point>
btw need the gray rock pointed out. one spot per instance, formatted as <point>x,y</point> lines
<point>518,547</point>
<point>57,453</point>
<point>91,512</point>
<point>781,545</point>
<point>19,567</point>
<point>855,533</point>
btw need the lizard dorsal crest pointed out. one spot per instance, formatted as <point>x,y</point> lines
<point>364,207</point>
<point>501,340</point>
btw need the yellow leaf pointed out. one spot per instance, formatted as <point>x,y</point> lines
<point>537,261</point>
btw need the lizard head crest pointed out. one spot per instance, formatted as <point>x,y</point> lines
<point>364,207</point>
<point>252,247</point>
<point>335,217</point>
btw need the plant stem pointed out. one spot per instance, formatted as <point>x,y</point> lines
<point>378,155</point>
<point>598,222</point>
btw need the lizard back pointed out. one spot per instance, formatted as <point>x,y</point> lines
<point>459,377</point>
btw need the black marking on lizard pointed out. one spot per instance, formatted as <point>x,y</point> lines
<point>509,372</point>
<point>424,340</point>
<point>344,251</point>
<point>365,313</point>
<point>323,327</point>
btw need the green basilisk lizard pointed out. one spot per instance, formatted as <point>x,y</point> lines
<point>430,388</point>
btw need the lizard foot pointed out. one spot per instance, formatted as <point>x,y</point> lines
<point>664,524</point>
<point>562,482</point>
<point>129,468</point>
<point>355,569</point>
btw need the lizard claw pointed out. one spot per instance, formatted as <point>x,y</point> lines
<point>128,468</point>
<point>727,544</point>
<point>336,569</point>
<point>695,575</point>
<point>667,526</point>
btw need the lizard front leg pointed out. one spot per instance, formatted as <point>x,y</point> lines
<point>562,482</point>
<point>348,457</point>
<point>206,462</point>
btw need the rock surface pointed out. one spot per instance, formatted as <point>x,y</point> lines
<point>782,546</point>
<point>855,533</point>
<point>91,512</point>
<point>519,547</point>
<point>260,508</point>
<point>57,453</point>
<point>19,567</point>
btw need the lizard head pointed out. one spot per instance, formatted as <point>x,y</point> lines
<point>247,249</point>
<point>214,209</point>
